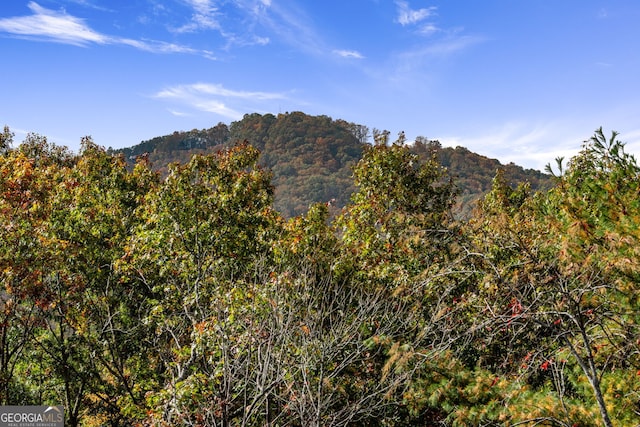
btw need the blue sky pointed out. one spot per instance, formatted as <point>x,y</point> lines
<point>523,81</point>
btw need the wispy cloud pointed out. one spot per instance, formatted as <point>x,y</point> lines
<point>408,16</point>
<point>259,22</point>
<point>224,18</point>
<point>449,45</point>
<point>420,20</point>
<point>293,26</point>
<point>522,143</point>
<point>91,4</point>
<point>349,54</point>
<point>215,98</point>
<point>410,65</point>
<point>428,29</point>
<point>60,27</point>
<point>154,46</point>
<point>204,17</point>
<point>631,139</point>
<point>203,7</point>
<point>54,26</point>
<point>178,113</point>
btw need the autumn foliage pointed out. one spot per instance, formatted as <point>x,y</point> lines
<point>185,297</point>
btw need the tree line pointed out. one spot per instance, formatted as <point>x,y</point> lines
<point>311,158</point>
<point>187,299</point>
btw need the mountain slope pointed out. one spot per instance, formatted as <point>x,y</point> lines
<point>311,158</point>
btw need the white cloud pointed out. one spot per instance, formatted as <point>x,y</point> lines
<point>52,25</point>
<point>90,4</point>
<point>164,47</point>
<point>525,144</point>
<point>631,139</point>
<point>210,15</point>
<point>262,41</point>
<point>349,54</point>
<point>292,25</point>
<point>203,7</point>
<point>218,89</point>
<point>408,16</point>
<point>255,7</point>
<point>428,29</point>
<point>178,113</point>
<point>196,98</point>
<point>215,98</point>
<point>217,107</point>
<point>59,27</point>
<point>204,17</point>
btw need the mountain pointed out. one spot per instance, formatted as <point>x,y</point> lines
<point>311,158</point>
<point>474,173</point>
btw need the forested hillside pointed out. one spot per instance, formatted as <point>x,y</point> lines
<point>136,299</point>
<point>311,158</point>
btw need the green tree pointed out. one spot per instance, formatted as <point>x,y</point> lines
<point>31,270</point>
<point>93,218</point>
<point>25,193</point>
<point>6,139</point>
<point>397,238</point>
<point>196,250</point>
<point>398,223</point>
<point>597,214</point>
<point>557,279</point>
<point>333,334</point>
<point>72,331</point>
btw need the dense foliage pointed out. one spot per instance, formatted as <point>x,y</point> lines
<point>185,298</point>
<point>311,158</point>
